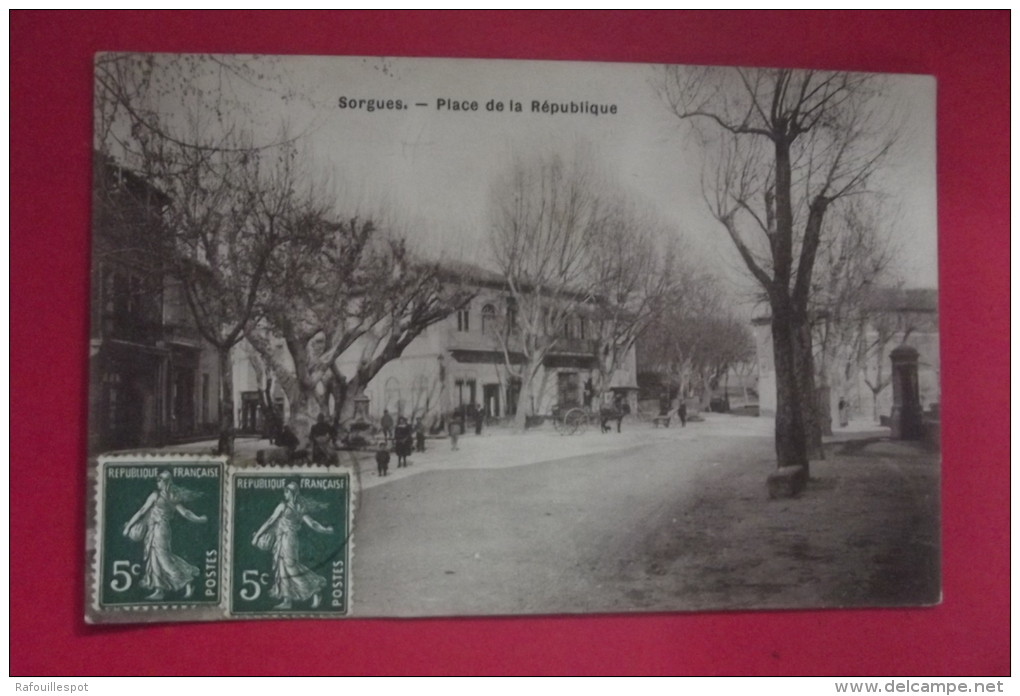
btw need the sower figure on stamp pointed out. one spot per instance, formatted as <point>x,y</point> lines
<point>403,439</point>
<point>292,581</point>
<point>164,571</point>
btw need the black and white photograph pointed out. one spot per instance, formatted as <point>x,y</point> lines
<point>592,337</point>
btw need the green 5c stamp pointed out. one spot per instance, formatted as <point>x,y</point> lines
<point>160,526</point>
<point>290,540</point>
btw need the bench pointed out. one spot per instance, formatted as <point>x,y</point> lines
<point>786,481</point>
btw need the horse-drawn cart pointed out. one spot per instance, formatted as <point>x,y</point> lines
<point>570,420</point>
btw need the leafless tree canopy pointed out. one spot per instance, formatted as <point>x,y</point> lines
<point>544,216</point>
<point>781,148</point>
<point>696,339</point>
<point>853,260</point>
<point>573,246</point>
<point>782,145</point>
<point>256,239</point>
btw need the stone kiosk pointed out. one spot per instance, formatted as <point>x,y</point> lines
<point>905,419</point>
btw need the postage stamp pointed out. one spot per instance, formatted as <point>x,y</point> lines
<point>290,538</point>
<point>159,526</point>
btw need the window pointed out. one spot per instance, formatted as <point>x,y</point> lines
<point>511,315</point>
<point>582,330</point>
<point>465,391</point>
<point>463,320</point>
<point>488,320</point>
<point>568,388</point>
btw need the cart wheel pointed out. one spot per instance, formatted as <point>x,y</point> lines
<point>575,421</point>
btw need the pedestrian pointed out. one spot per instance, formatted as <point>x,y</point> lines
<point>403,438</point>
<point>287,439</point>
<point>454,433</point>
<point>479,420</point>
<point>382,462</point>
<point>387,426</point>
<point>844,413</point>
<point>621,409</point>
<point>321,439</point>
<point>419,435</point>
<point>681,411</point>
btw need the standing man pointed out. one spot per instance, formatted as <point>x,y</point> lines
<point>419,435</point>
<point>387,426</point>
<point>479,420</point>
<point>403,438</point>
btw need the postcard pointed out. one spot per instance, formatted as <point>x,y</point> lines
<point>394,337</point>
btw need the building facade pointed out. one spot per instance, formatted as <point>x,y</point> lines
<point>462,361</point>
<point>459,362</point>
<point>152,380</point>
<point>894,317</point>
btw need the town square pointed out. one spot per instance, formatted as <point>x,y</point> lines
<point>577,339</point>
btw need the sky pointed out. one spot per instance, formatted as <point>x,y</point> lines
<point>432,169</point>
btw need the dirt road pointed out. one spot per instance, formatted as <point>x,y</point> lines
<point>673,522</point>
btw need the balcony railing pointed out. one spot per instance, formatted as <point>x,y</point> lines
<point>132,329</point>
<point>580,346</point>
<point>181,333</point>
<point>476,340</point>
<point>135,330</point>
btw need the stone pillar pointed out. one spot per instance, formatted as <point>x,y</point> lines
<point>905,418</point>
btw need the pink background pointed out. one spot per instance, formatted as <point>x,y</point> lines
<point>51,58</point>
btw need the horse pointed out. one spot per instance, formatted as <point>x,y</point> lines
<point>614,411</point>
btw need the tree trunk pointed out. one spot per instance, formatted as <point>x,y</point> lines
<point>301,418</point>
<point>527,390</point>
<point>337,388</point>
<point>805,373</point>
<point>345,410</point>
<point>226,439</point>
<point>791,438</point>
<point>706,393</point>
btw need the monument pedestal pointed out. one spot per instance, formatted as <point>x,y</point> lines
<point>905,419</point>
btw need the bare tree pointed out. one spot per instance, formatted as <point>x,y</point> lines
<point>889,316</point>
<point>173,121</point>
<point>345,287</point>
<point>854,257</point>
<point>782,147</point>
<point>544,216</point>
<point>695,341</point>
<point>679,342</point>
<point>633,274</point>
